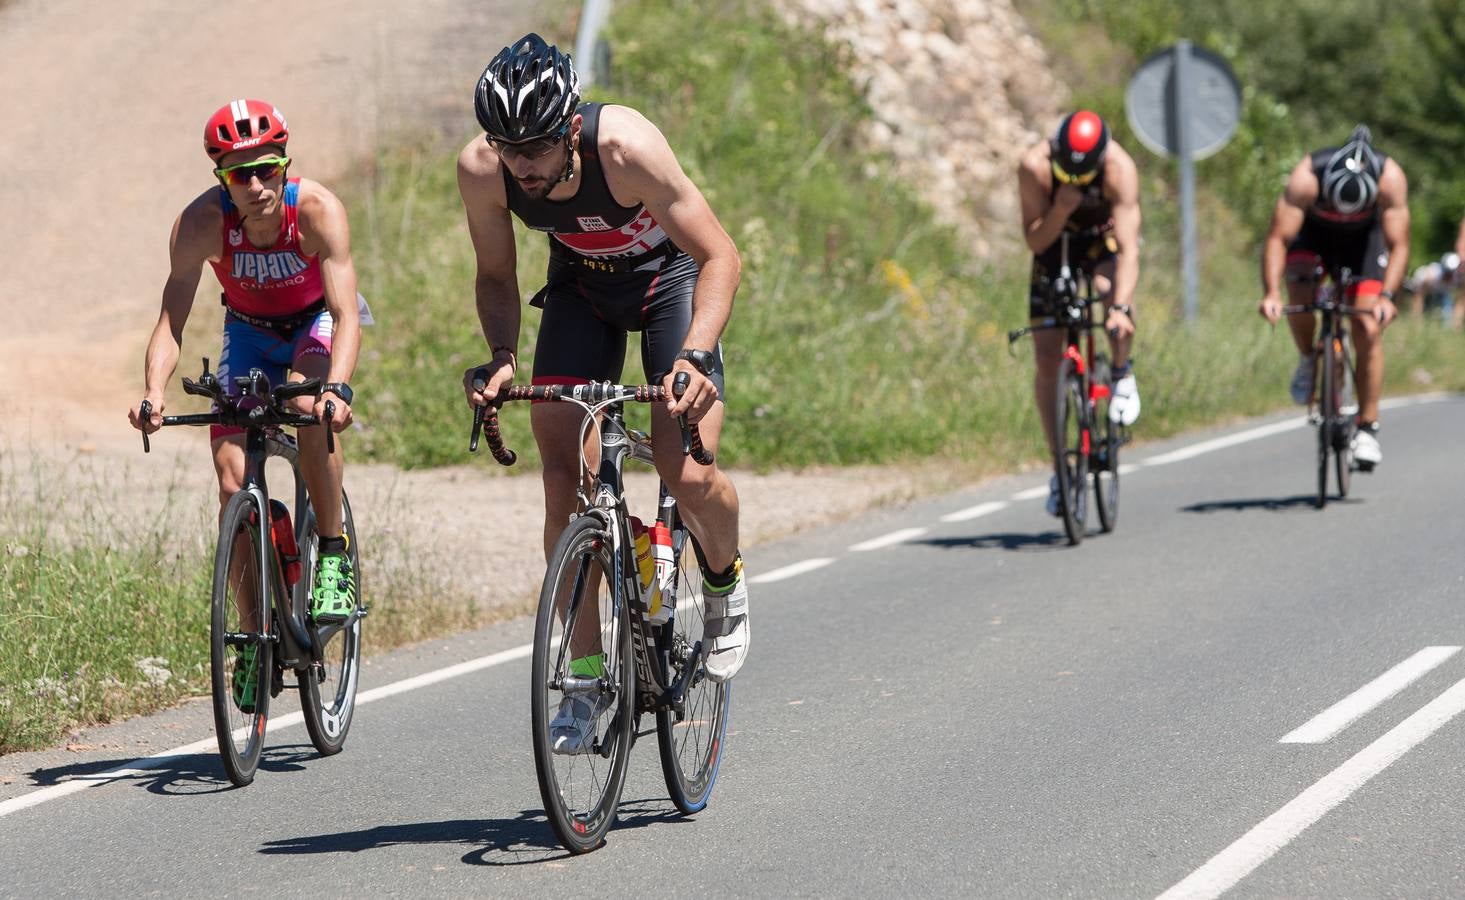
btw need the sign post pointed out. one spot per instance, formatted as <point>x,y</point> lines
<point>1184,102</point>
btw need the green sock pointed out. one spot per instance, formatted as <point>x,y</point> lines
<point>722,582</point>
<point>588,666</point>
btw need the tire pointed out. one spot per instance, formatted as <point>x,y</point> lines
<point>1071,462</point>
<point>240,733</point>
<point>1327,401</point>
<point>328,690</point>
<point>1347,392</point>
<point>1104,460</point>
<point>581,792</point>
<point>691,738</point>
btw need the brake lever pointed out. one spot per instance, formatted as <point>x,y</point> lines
<point>480,381</point>
<point>678,388</point>
<point>330,432</point>
<point>144,415</point>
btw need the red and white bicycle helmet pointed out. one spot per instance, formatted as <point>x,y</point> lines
<point>244,124</point>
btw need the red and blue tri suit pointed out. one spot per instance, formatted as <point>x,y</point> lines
<point>276,312</point>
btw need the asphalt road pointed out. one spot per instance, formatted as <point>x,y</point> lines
<point>956,704</point>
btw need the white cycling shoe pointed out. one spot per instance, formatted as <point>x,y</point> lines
<point>574,727</point>
<point>1053,507</point>
<point>1124,404</point>
<point>1366,450</point>
<point>725,626</point>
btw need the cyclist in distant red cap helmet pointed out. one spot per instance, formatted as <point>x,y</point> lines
<point>1083,183</point>
<point>281,250</point>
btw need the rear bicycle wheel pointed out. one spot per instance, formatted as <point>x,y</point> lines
<point>690,735</point>
<point>240,621</point>
<point>1104,460</point>
<point>1347,405</point>
<point>328,689</point>
<point>581,789</point>
<point>1327,401</point>
<point>1071,462</point>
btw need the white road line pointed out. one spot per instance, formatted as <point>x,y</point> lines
<point>158,760</point>
<point>974,512</point>
<point>1220,443</point>
<point>1031,493</point>
<point>887,540</point>
<point>1258,845</point>
<point>1126,468</point>
<point>797,568</point>
<point>1345,712</point>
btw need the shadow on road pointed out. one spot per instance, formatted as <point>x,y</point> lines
<point>524,839</point>
<point>1268,504</point>
<point>1006,540</point>
<point>193,773</point>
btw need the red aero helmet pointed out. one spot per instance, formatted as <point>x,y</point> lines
<point>1079,145</point>
<point>244,124</point>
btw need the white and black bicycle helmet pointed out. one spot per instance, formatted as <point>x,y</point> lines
<point>528,91</point>
<point>1350,180</point>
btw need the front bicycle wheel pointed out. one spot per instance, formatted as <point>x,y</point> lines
<point>1347,405</point>
<point>1104,460</point>
<point>690,734</point>
<point>1327,402</point>
<point>582,768</point>
<point>1071,462</point>
<point>328,688</point>
<point>240,646</point>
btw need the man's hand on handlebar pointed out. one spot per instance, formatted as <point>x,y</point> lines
<point>1270,308</point>
<point>500,372</point>
<point>148,424</point>
<point>696,401</point>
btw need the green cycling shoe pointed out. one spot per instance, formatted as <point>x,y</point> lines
<point>246,678</point>
<point>333,598</point>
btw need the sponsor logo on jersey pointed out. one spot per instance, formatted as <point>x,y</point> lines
<point>236,237</point>
<point>638,236</point>
<point>593,223</point>
<point>265,268</point>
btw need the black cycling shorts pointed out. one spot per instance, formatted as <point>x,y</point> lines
<point>582,335</point>
<point>1362,251</point>
<point>1086,252</point>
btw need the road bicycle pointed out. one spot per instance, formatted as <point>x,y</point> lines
<point>1334,403</point>
<point>264,570</point>
<point>649,629</point>
<point>1088,441</point>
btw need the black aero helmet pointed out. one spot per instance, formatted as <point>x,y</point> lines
<point>528,91</point>
<point>1350,179</point>
<point>1079,146</point>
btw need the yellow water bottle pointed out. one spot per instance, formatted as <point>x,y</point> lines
<point>663,596</point>
<point>645,564</point>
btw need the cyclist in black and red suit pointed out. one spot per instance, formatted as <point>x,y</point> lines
<point>1085,184</point>
<point>634,246</point>
<point>1348,207</point>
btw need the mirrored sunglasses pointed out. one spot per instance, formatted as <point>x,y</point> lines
<point>263,169</point>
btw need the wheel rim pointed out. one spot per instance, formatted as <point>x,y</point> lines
<point>693,739</point>
<point>581,790</point>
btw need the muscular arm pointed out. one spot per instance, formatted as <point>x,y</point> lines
<point>325,232</point>
<point>195,237</point>
<point>1394,219</point>
<point>1123,175</point>
<point>1287,218</point>
<point>496,286</point>
<point>641,165</point>
<point>1042,220</point>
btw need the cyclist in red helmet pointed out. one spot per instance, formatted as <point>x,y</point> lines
<point>280,248</point>
<point>1083,183</point>
<point>1345,206</point>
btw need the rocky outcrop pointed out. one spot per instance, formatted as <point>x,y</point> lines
<point>959,89</point>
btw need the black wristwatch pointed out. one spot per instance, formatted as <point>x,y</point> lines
<point>340,389</point>
<point>704,361</point>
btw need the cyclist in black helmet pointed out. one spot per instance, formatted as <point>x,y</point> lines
<point>1081,182</point>
<point>1344,206</point>
<point>633,247</point>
